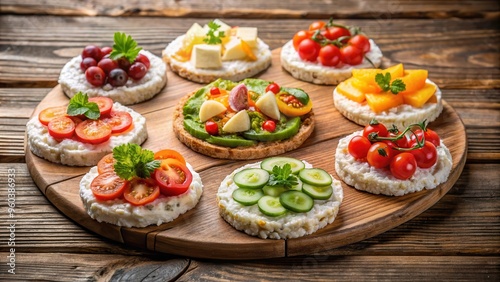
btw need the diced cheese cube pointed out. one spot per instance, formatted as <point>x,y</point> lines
<point>196,30</point>
<point>222,27</point>
<point>233,51</point>
<point>194,35</point>
<point>248,34</point>
<point>206,56</point>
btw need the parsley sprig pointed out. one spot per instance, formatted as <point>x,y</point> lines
<point>124,46</point>
<point>214,36</point>
<point>133,161</point>
<point>80,105</point>
<point>282,176</point>
<point>384,81</point>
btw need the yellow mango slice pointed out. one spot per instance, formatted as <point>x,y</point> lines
<point>419,98</point>
<point>365,87</point>
<point>368,75</point>
<point>347,89</point>
<point>383,101</point>
<point>414,80</point>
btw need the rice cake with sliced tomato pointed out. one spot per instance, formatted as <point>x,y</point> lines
<point>73,152</point>
<point>122,213</point>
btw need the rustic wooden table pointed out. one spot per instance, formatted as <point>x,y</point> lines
<point>457,41</point>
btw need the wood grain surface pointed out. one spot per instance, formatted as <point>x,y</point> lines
<point>201,232</point>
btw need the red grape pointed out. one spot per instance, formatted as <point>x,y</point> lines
<point>137,70</point>
<point>143,59</point>
<point>117,77</point>
<point>95,76</point>
<point>93,52</point>
<point>107,64</point>
<point>87,62</point>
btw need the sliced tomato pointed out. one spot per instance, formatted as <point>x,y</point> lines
<point>169,154</point>
<point>93,131</point>
<point>173,177</point>
<point>107,163</point>
<point>139,191</point>
<point>107,186</point>
<point>105,104</point>
<point>291,106</point>
<point>61,127</point>
<point>119,121</point>
<point>46,115</point>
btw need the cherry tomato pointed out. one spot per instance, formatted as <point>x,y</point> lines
<point>403,166</point>
<point>95,76</point>
<point>291,106</point>
<point>105,104</point>
<point>402,143</point>
<point>212,128</point>
<point>214,91</point>
<point>361,42</point>
<point>358,147</point>
<point>61,127</point>
<point>392,147</point>
<point>173,177</point>
<point>379,155</point>
<point>93,52</point>
<point>316,25</point>
<point>299,37</point>
<point>93,131</point>
<point>107,64</point>
<point>137,70</point>
<point>106,164</point>
<point>139,191</point>
<point>273,87</point>
<point>376,127</point>
<point>351,55</point>
<point>309,50</point>
<point>87,63</point>
<point>46,115</point>
<point>119,121</point>
<point>426,156</point>
<point>107,186</point>
<point>329,55</point>
<point>169,154</point>
<point>143,59</point>
<point>335,32</point>
<point>429,135</point>
<point>269,125</point>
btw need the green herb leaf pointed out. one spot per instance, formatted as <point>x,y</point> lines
<point>384,81</point>
<point>133,161</point>
<point>80,105</point>
<point>124,47</point>
<point>214,35</point>
<point>283,176</point>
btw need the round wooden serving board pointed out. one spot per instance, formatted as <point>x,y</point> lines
<point>201,232</point>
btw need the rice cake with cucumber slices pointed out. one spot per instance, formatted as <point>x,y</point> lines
<point>279,198</point>
<point>250,119</point>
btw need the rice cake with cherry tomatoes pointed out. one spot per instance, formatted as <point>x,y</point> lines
<point>362,176</point>
<point>122,213</point>
<point>316,73</point>
<point>401,116</point>
<point>76,153</point>
<point>72,80</point>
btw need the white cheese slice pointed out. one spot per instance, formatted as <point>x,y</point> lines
<point>238,123</point>
<point>206,56</point>
<point>209,109</point>
<point>195,33</point>
<point>248,34</point>
<point>233,50</point>
<point>267,105</point>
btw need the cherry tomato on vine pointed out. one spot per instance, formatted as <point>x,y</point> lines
<point>351,55</point>
<point>358,147</point>
<point>403,166</point>
<point>316,25</point>
<point>309,50</point>
<point>377,127</point>
<point>361,42</point>
<point>212,128</point>
<point>273,87</point>
<point>336,32</point>
<point>402,143</point>
<point>426,156</point>
<point>429,135</point>
<point>329,55</point>
<point>299,37</point>
<point>269,125</point>
<point>379,155</point>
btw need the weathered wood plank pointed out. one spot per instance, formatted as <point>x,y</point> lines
<point>36,50</point>
<point>259,9</point>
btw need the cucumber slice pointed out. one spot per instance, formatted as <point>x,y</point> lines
<point>315,176</point>
<point>274,191</point>
<point>247,196</point>
<point>271,206</point>
<point>296,201</point>
<point>318,192</point>
<point>253,178</point>
<point>269,163</point>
